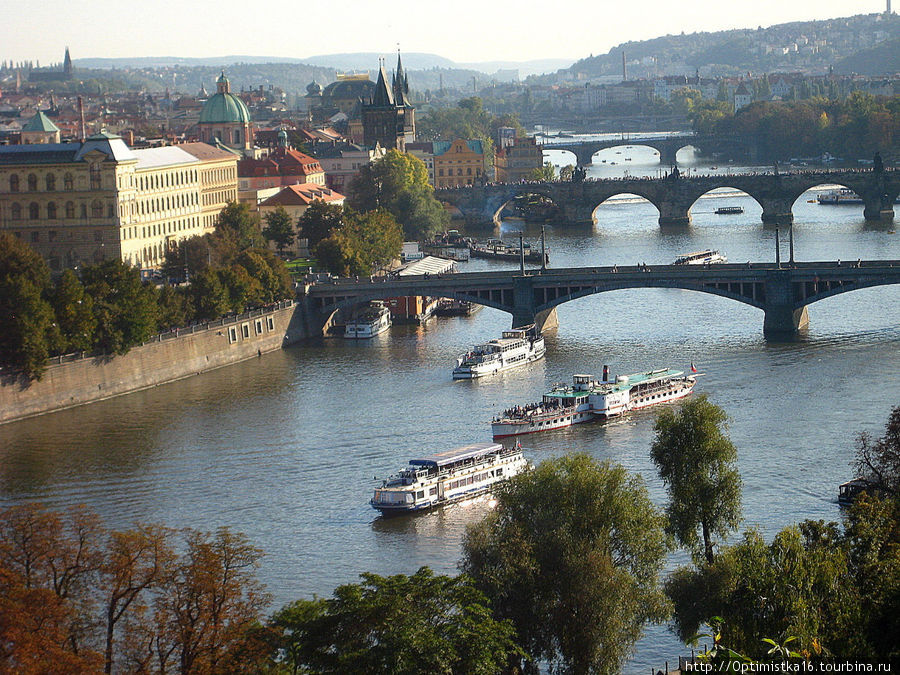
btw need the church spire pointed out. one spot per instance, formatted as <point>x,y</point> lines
<point>67,63</point>
<point>383,95</point>
<point>400,84</point>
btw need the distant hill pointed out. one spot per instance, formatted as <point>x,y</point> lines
<point>864,44</point>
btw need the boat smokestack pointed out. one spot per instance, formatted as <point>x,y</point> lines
<point>606,373</point>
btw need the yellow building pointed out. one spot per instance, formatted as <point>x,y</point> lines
<point>458,163</point>
<point>79,203</point>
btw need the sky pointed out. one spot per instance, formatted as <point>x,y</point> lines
<point>461,30</point>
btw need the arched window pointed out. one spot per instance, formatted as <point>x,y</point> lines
<point>96,209</point>
<point>32,183</point>
<point>83,211</point>
<point>95,176</point>
<point>16,211</point>
<point>50,181</point>
<point>33,211</point>
<point>14,183</point>
<point>68,182</point>
<point>70,210</point>
<point>51,210</point>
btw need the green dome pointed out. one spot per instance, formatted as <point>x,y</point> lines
<point>225,108</point>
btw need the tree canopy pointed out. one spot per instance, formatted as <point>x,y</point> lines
<point>398,183</point>
<point>401,624</point>
<point>571,556</point>
<point>363,243</point>
<point>279,228</point>
<point>878,460</point>
<point>696,461</point>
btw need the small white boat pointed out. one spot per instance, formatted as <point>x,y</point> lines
<point>514,348</point>
<point>447,477</point>
<point>369,322</point>
<point>707,257</point>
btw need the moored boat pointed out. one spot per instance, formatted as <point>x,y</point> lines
<point>588,399</point>
<point>494,249</point>
<point>514,348</point>
<point>368,322</point>
<point>724,210</point>
<point>707,257</point>
<point>447,477</point>
<point>840,196</point>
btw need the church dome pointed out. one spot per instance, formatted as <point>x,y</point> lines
<point>314,88</point>
<point>223,107</point>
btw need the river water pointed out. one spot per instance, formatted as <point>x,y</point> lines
<point>285,447</point>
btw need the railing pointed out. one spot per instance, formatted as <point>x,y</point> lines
<point>183,331</point>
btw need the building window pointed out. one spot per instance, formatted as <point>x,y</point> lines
<point>232,334</point>
<point>270,322</point>
<point>259,329</point>
<point>14,183</point>
<point>245,330</point>
<point>83,211</point>
<point>68,182</point>
<point>50,181</point>
<point>32,183</point>
<point>51,210</point>
<point>96,209</point>
<point>98,235</point>
<point>35,236</point>
<point>51,235</point>
<point>33,211</point>
<point>70,210</point>
<point>95,176</point>
<point>16,210</point>
<point>110,211</point>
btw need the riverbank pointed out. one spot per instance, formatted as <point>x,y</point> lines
<point>76,380</point>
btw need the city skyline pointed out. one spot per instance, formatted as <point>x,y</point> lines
<point>499,31</point>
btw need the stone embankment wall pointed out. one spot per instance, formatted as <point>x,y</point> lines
<point>170,356</point>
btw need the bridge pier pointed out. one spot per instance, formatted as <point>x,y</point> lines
<point>667,154</point>
<point>782,318</point>
<point>777,211</point>
<point>674,214</point>
<point>878,210</point>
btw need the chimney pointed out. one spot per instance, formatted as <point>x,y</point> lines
<point>606,373</point>
<point>81,117</point>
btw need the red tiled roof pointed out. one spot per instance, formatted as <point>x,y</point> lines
<point>303,194</point>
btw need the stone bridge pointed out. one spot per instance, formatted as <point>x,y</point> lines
<point>674,197</point>
<point>666,146</point>
<point>782,292</point>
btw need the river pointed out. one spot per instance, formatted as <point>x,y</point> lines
<point>285,447</point>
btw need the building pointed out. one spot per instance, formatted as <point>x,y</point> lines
<point>418,308</point>
<point>343,162</point>
<point>259,179</point>
<point>295,199</point>
<point>39,129</point>
<point>424,151</point>
<point>515,162</point>
<point>51,74</point>
<point>742,97</point>
<point>225,119</point>
<point>457,163</point>
<point>79,203</point>
<point>388,118</point>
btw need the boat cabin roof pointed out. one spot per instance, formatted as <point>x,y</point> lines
<point>448,457</point>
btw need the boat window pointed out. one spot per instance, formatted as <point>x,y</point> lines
<point>420,494</point>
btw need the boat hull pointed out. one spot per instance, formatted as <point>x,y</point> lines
<point>463,372</point>
<point>544,423</point>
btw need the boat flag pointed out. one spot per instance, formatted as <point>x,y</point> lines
<point>693,370</point>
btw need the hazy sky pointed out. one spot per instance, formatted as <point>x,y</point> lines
<point>461,30</point>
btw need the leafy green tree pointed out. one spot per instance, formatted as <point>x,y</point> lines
<point>175,308</point>
<point>271,273</point>
<point>74,310</point>
<point>237,229</point>
<point>798,586</point>
<point>209,296</point>
<point>403,625</point>
<point>398,183</point>
<point>572,556</point>
<point>279,229</point>
<point>696,461</point>
<point>29,327</point>
<point>365,242</point>
<point>546,173</point>
<point>127,310</point>
<point>319,220</point>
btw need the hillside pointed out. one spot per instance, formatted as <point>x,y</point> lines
<point>863,43</point>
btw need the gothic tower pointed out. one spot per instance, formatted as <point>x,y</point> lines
<point>67,65</point>
<point>388,118</point>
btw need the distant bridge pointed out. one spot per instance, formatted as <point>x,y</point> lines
<point>666,146</point>
<point>674,197</point>
<point>782,291</point>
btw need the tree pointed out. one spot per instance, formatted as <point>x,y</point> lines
<point>400,624</point>
<point>878,461</point>
<point>571,556</point>
<point>237,229</point>
<point>319,220</point>
<point>545,173</point>
<point>74,310</point>
<point>398,183</point>
<point>29,327</point>
<point>364,243</point>
<point>127,310</point>
<point>695,460</point>
<point>279,229</point>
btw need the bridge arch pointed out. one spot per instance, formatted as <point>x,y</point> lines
<point>712,191</point>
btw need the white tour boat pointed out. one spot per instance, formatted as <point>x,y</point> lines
<point>447,477</point>
<point>587,399</point>
<point>515,347</point>
<point>707,257</point>
<point>369,322</point>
